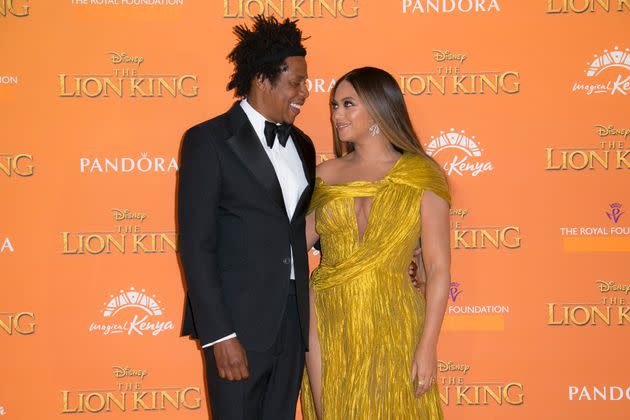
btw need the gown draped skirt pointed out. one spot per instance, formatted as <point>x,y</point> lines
<point>369,316</point>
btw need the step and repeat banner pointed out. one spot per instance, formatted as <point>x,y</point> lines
<point>524,103</point>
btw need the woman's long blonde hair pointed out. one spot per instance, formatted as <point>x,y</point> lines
<point>384,101</point>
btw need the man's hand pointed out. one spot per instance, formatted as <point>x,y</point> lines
<point>231,360</point>
<point>417,274</point>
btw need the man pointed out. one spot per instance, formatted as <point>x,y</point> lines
<point>245,182</point>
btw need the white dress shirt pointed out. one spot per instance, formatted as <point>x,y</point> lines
<point>288,167</point>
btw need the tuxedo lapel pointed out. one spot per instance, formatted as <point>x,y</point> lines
<point>306,153</point>
<point>307,156</point>
<point>247,147</point>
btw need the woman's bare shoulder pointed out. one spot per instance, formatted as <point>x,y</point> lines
<point>328,169</point>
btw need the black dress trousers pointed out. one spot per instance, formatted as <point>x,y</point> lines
<point>275,375</point>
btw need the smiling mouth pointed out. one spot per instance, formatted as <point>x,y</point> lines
<point>296,107</point>
<point>342,126</point>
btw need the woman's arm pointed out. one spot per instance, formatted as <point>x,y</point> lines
<point>436,252</point>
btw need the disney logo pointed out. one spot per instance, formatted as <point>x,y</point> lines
<point>611,286</point>
<point>603,131</point>
<point>123,58</point>
<point>446,55</point>
<point>121,372</point>
<point>458,212</point>
<point>451,366</point>
<point>128,215</point>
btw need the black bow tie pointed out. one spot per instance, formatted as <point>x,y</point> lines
<point>282,131</point>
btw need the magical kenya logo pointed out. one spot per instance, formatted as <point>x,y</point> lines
<point>608,73</point>
<point>460,154</point>
<point>132,312</point>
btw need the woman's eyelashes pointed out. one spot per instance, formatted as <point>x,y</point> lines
<point>346,104</point>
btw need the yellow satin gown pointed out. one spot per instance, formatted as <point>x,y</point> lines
<point>370,317</point>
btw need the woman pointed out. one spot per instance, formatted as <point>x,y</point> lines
<point>373,338</point>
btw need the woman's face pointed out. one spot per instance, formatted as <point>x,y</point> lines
<point>349,115</point>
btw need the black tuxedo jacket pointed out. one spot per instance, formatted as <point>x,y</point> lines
<point>235,236</point>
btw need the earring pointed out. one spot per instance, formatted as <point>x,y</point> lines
<point>374,130</point>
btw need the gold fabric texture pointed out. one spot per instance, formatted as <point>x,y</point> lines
<point>370,317</point>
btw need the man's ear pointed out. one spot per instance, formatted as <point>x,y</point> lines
<point>262,83</point>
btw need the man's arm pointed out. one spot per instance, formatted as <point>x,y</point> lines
<point>198,200</point>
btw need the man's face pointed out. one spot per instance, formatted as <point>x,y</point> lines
<point>283,100</point>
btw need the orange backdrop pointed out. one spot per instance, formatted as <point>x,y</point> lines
<point>525,103</point>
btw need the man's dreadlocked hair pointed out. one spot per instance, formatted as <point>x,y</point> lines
<point>262,50</point>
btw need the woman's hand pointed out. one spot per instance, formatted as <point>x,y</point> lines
<point>424,369</point>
